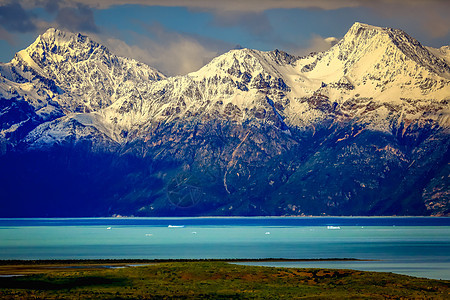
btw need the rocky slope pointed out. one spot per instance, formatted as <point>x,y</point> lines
<point>361,129</point>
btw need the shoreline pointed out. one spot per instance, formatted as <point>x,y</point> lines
<point>223,217</point>
<point>11,262</point>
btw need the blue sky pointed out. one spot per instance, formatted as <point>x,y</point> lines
<point>179,36</point>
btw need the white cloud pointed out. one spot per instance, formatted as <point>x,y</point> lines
<point>170,52</point>
<point>316,44</point>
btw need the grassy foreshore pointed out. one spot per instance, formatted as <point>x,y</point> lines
<point>203,279</point>
<point>143,261</point>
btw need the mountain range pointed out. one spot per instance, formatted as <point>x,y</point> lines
<point>360,129</point>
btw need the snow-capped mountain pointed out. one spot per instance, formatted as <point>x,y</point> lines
<point>359,129</point>
<point>383,68</point>
<point>63,73</point>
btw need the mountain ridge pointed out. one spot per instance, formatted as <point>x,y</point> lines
<point>359,129</point>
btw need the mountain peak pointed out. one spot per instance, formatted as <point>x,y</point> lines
<point>362,30</point>
<point>53,36</point>
<point>362,36</point>
<point>53,32</point>
<point>61,64</point>
<point>361,33</point>
<point>358,25</point>
<point>55,40</point>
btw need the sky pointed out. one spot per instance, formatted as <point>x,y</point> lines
<point>180,36</point>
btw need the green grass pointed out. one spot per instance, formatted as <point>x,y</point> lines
<point>218,280</point>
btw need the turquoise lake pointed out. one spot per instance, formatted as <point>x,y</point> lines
<point>412,246</point>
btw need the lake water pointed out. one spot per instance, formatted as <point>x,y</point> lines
<point>412,246</point>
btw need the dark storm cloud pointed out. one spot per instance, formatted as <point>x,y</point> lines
<point>21,17</point>
<point>76,18</point>
<point>52,6</point>
<point>14,18</point>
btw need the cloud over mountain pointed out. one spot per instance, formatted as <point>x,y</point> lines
<point>14,18</point>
